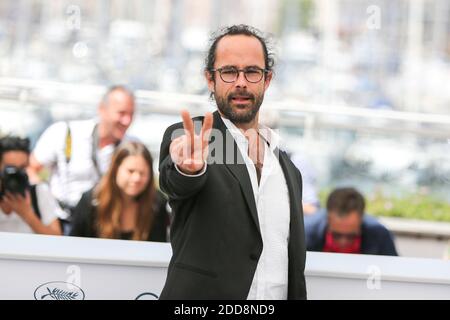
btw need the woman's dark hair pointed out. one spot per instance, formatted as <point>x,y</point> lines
<point>234,30</point>
<point>13,143</point>
<point>342,201</point>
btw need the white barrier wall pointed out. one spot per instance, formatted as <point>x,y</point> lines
<point>49,267</point>
<point>34,266</point>
<point>351,276</point>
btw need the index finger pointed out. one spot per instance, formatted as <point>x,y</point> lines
<point>188,124</point>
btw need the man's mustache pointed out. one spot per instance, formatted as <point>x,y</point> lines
<point>241,94</point>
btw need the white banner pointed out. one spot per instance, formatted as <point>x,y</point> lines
<point>68,268</point>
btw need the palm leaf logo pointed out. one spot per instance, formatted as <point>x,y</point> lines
<point>58,294</point>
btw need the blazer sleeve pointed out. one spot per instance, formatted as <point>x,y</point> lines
<point>387,244</point>
<point>173,183</point>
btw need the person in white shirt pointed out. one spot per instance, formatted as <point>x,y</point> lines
<point>311,202</point>
<point>78,153</point>
<point>24,208</point>
<point>237,229</point>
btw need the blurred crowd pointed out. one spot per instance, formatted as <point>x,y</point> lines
<point>88,178</point>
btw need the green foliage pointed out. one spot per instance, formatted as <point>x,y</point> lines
<point>410,206</point>
<point>297,14</point>
<point>306,13</point>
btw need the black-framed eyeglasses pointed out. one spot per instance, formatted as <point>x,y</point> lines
<point>231,74</point>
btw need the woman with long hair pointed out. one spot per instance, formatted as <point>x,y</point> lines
<point>125,204</point>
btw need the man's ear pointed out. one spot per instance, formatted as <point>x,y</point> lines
<point>101,108</point>
<point>329,217</point>
<point>268,79</point>
<point>210,80</point>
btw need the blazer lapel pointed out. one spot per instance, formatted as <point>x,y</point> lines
<point>236,165</point>
<point>292,184</point>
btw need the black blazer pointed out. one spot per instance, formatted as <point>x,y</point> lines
<point>85,219</point>
<point>215,235</point>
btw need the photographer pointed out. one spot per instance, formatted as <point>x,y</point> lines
<point>23,208</point>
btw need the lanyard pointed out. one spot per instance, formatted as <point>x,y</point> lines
<point>95,143</point>
<point>94,147</point>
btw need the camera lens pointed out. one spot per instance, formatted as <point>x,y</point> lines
<point>14,180</point>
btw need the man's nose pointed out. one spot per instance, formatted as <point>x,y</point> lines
<point>126,120</point>
<point>241,82</point>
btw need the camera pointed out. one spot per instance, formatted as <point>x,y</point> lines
<point>13,180</point>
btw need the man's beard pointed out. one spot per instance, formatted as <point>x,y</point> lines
<point>225,107</point>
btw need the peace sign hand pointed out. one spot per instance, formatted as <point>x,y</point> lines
<point>189,151</point>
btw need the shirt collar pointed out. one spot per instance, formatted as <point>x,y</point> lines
<point>269,135</point>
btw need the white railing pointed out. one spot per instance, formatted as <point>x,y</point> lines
<point>27,90</point>
<point>48,267</point>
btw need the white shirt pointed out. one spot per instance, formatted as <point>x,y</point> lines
<point>272,203</point>
<point>48,207</point>
<point>69,180</point>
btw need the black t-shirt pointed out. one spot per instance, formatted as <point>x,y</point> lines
<point>85,214</point>
<point>126,235</point>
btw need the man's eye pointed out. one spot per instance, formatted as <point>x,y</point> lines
<point>228,71</point>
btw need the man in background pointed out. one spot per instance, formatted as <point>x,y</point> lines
<point>78,153</point>
<point>344,228</point>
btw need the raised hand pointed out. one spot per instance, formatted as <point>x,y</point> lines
<point>189,151</point>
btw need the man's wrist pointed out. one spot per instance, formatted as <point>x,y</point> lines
<point>195,174</point>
